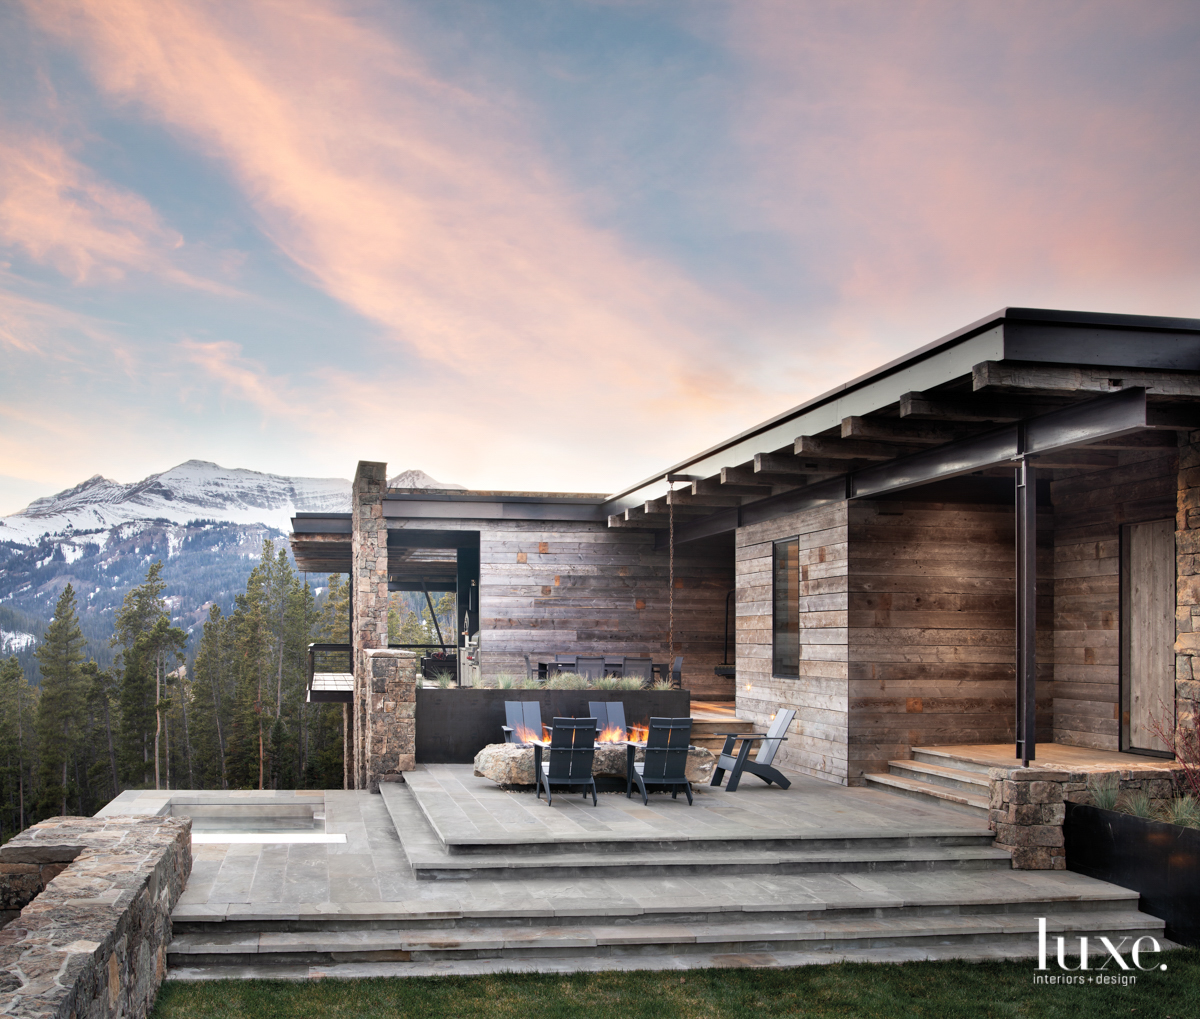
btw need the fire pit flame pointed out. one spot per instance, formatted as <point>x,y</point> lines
<point>526,735</point>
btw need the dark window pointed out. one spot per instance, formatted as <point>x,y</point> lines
<point>786,620</point>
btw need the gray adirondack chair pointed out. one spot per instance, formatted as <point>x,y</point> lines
<point>761,765</point>
<point>518,713</point>
<point>608,713</point>
<point>568,759</point>
<point>665,763</point>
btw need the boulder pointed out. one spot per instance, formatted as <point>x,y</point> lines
<point>510,764</point>
<point>505,763</point>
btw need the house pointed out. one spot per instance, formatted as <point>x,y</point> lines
<point>992,539</point>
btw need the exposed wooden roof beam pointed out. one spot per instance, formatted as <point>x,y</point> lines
<point>917,433</point>
<point>1058,379</point>
<point>849,449</point>
<point>982,408</point>
<point>746,475</point>
<point>780,465</point>
<point>659,506</point>
<point>704,492</point>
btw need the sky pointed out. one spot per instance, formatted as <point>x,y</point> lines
<point>553,246</point>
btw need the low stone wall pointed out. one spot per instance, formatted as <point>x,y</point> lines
<point>1027,807</point>
<point>95,896</point>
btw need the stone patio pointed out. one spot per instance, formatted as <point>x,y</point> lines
<point>499,881</point>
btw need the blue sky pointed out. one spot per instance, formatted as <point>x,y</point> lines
<point>553,246</point>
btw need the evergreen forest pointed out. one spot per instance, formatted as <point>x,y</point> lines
<point>234,717</point>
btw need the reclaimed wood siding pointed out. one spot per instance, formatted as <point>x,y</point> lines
<point>931,628</point>
<point>1089,509</point>
<point>817,739</point>
<point>591,589</point>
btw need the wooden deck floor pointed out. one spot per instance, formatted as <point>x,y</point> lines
<point>1054,755</point>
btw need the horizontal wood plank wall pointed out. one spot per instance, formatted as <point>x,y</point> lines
<point>591,589</point>
<point>817,738</point>
<point>1089,509</point>
<point>931,628</point>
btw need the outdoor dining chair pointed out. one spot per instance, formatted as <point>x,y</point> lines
<point>590,667</point>
<point>568,759</point>
<point>609,715</point>
<point>641,668</point>
<point>761,765</point>
<point>665,761</point>
<point>517,714</point>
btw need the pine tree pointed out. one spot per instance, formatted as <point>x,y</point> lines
<point>60,706</point>
<point>148,644</point>
<point>18,706</point>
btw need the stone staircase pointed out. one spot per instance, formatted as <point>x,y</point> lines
<point>433,859</point>
<point>937,776</point>
<point>572,905</point>
<point>414,942</point>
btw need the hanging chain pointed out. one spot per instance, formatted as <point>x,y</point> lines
<point>671,568</point>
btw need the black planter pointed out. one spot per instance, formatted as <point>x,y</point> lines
<point>454,725</point>
<point>1160,861</point>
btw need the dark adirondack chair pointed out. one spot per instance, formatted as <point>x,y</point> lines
<point>590,667</point>
<point>568,759</point>
<point>642,668</point>
<point>666,759</point>
<point>761,765</point>
<point>677,673</point>
<point>608,714</point>
<point>518,713</point>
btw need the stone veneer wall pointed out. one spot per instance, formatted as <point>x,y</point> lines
<point>1027,807</point>
<point>96,896</point>
<point>1187,583</point>
<point>369,622</point>
<point>389,721</point>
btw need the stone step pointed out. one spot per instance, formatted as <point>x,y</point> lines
<point>621,942</point>
<point>897,897</point>
<point>968,802</point>
<point>674,962</point>
<point>970,782</point>
<point>932,755</point>
<point>433,866</point>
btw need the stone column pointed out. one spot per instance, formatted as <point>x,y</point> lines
<point>369,579</point>
<point>1187,584</point>
<point>389,725</point>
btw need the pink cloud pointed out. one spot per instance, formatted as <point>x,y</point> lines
<point>62,214</point>
<point>955,157</point>
<point>422,206</point>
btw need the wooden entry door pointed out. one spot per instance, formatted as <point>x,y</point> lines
<point>1147,633</point>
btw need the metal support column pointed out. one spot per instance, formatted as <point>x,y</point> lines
<point>1026,611</point>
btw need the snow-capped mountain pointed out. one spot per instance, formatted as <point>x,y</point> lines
<point>206,523</point>
<point>419,479</point>
<point>193,490</point>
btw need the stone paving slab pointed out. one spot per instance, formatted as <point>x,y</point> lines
<point>464,810</point>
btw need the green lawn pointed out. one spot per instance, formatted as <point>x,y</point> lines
<point>937,990</point>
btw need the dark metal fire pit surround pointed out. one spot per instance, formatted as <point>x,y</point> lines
<point>454,725</point>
